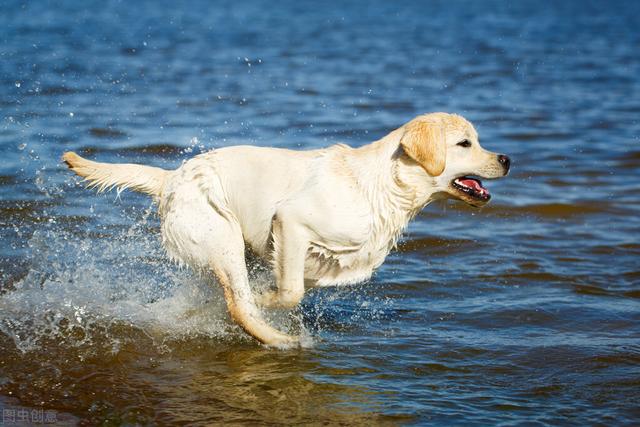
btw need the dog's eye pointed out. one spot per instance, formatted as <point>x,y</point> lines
<point>466,143</point>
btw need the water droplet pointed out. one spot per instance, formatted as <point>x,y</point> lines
<point>22,146</point>
<point>18,84</point>
<point>71,114</point>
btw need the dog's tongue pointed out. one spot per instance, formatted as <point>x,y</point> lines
<point>474,184</point>
<point>471,183</point>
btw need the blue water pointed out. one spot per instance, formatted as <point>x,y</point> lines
<point>526,311</point>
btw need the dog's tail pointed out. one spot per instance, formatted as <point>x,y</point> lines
<point>105,176</point>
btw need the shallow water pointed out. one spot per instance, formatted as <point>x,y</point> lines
<point>525,310</point>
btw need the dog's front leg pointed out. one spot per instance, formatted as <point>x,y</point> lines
<point>290,243</point>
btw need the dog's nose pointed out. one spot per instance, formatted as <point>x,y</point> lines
<point>505,162</point>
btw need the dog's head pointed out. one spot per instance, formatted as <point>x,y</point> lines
<point>446,147</point>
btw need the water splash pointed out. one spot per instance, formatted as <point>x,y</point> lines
<point>89,291</point>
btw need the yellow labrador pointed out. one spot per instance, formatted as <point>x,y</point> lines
<point>321,217</point>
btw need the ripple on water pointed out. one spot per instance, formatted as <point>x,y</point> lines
<point>108,132</point>
<point>552,210</point>
<point>157,149</point>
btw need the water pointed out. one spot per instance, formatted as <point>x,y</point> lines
<point>527,310</point>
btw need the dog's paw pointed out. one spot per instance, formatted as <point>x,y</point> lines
<point>284,342</point>
<point>267,299</point>
<point>273,299</point>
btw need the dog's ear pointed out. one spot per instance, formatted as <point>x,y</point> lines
<point>424,142</point>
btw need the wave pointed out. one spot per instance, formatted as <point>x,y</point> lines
<point>147,149</point>
<point>108,132</point>
<point>438,245</point>
<point>549,210</point>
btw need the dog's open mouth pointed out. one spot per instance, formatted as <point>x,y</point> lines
<point>472,187</point>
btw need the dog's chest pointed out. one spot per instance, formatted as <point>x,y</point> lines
<point>329,267</point>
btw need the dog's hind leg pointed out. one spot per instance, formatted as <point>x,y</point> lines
<point>206,235</point>
<point>228,264</point>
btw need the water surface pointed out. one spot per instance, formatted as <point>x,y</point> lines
<point>525,310</point>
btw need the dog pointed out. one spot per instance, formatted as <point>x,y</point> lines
<point>319,217</point>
